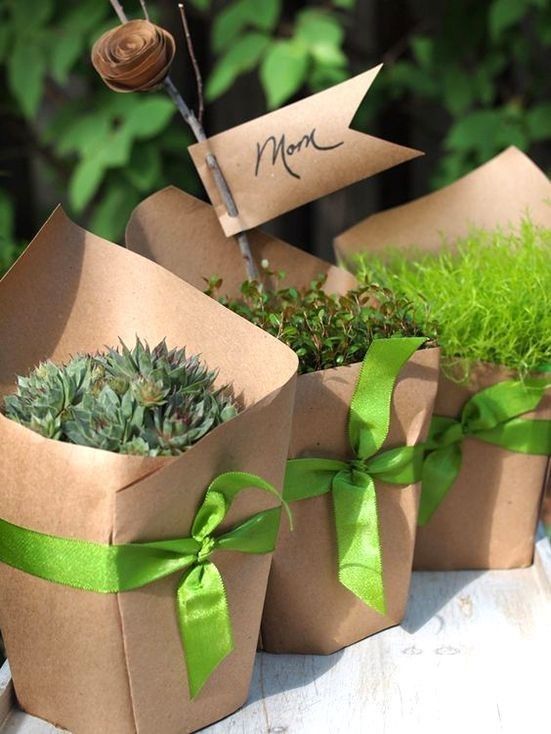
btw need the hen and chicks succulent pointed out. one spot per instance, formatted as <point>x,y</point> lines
<point>150,402</point>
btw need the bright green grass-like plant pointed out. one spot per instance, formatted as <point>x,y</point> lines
<point>488,295</point>
<point>323,330</point>
<point>150,402</point>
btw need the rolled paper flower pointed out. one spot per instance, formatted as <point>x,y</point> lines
<point>134,57</point>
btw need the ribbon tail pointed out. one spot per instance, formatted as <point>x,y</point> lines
<point>358,543</point>
<point>440,470</point>
<point>204,621</point>
<point>522,435</point>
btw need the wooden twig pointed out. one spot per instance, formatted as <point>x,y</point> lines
<point>199,133</point>
<point>193,58</point>
<point>144,9</point>
<point>119,10</point>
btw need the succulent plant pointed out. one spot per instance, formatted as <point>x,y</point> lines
<point>151,402</point>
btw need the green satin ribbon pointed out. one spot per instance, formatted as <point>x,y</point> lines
<point>202,607</point>
<point>352,483</point>
<point>492,415</point>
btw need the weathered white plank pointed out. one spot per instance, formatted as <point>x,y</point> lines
<point>470,656</point>
<point>6,692</point>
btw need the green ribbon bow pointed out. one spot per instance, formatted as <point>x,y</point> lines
<point>352,483</point>
<point>492,415</point>
<point>202,607</point>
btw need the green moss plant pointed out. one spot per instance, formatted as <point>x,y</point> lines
<point>150,402</point>
<point>488,296</point>
<point>324,330</point>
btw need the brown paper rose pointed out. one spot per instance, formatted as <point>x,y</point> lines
<point>134,57</point>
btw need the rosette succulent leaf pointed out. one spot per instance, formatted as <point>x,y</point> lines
<point>152,402</point>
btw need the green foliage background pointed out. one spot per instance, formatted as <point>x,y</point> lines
<point>476,67</point>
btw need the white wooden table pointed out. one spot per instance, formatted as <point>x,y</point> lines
<point>472,656</point>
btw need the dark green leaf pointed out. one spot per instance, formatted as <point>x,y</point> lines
<point>29,14</point>
<point>458,90</point>
<point>64,55</point>
<point>201,4</point>
<point>422,48</point>
<point>503,14</point>
<point>144,168</point>
<point>114,209</point>
<point>539,122</point>
<point>85,16</point>
<point>26,70</point>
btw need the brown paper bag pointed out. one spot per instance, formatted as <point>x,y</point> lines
<point>488,517</point>
<point>183,234</point>
<point>307,609</point>
<point>94,662</point>
<point>498,193</point>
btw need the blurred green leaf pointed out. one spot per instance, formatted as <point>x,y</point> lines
<point>150,117</point>
<point>5,38</point>
<point>65,53</point>
<point>82,134</point>
<point>113,211</point>
<point>475,131</point>
<point>85,181</point>
<point>316,27</point>
<point>6,216</point>
<point>329,55</point>
<point>201,4</point>
<point>29,14</point>
<point>265,14</point>
<point>458,90</point>
<point>283,71</point>
<point>423,50</point>
<point>539,121</point>
<point>346,4</point>
<point>144,168</point>
<point>324,76</point>
<point>26,71</point>
<point>241,57</point>
<point>228,23</point>
<point>85,16</point>
<point>503,14</point>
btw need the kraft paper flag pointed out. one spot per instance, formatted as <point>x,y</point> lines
<point>500,192</point>
<point>303,151</point>
<point>95,662</point>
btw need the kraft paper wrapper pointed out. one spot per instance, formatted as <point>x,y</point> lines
<point>499,193</point>
<point>183,234</point>
<point>114,663</point>
<point>267,180</point>
<point>489,516</point>
<point>307,610</point>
